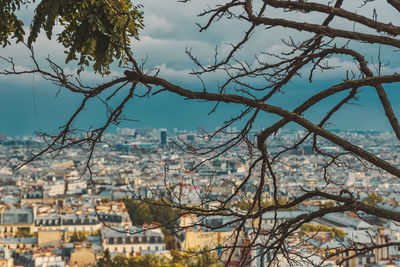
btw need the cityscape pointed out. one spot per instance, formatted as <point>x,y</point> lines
<point>52,215</point>
<point>213,133</point>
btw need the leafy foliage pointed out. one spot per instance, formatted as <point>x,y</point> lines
<point>10,24</point>
<point>316,228</point>
<point>92,31</point>
<point>195,259</point>
<point>96,233</point>
<point>373,199</point>
<point>179,259</point>
<point>24,233</point>
<point>79,236</point>
<point>148,211</point>
<point>105,260</point>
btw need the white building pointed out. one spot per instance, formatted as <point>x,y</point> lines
<point>133,241</point>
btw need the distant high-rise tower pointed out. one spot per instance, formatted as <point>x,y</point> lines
<point>201,130</point>
<point>3,137</point>
<point>190,138</point>
<point>163,136</point>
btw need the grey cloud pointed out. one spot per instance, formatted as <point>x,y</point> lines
<point>170,29</point>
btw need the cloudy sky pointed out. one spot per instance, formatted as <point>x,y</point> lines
<point>28,104</point>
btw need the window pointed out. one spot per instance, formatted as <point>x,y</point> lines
<point>111,240</point>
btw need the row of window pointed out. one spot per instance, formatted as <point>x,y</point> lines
<point>134,240</point>
<point>367,261</point>
<point>75,229</point>
<point>132,250</point>
<point>65,222</point>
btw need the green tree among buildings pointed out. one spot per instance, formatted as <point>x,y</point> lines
<point>178,259</point>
